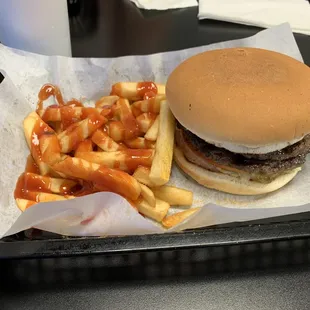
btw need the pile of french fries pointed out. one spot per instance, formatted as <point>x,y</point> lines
<point>124,144</point>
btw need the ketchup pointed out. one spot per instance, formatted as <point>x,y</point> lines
<point>146,90</point>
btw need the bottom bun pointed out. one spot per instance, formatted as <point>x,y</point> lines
<point>228,184</point>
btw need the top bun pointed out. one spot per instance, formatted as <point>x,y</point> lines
<point>244,99</point>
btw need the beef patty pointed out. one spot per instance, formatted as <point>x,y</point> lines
<point>300,148</point>
<point>260,167</point>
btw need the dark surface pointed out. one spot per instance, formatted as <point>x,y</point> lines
<point>115,28</point>
<point>251,290</point>
<point>265,275</point>
<point>262,276</point>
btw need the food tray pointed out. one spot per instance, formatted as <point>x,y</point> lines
<point>247,276</point>
<point>34,243</point>
<point>42,244</point>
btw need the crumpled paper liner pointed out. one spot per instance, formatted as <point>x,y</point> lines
<point>104,214</point>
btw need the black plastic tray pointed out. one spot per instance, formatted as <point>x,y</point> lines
<point>35,243</point>
<point>93,33</point>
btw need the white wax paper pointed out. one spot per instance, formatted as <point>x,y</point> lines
<point>108,213</point>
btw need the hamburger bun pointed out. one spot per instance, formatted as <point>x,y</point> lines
<point>227,183</point>
<point>246,100</point>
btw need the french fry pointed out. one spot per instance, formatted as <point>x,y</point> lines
<point>142,174</point>
<point>135,111</point>
<point>52,114</point>
<point>140,143</point>
<point>46,184</point>
<point>76,133</point>
<point>117,181</point>
<point>50,149</point>
<point>84,146</point>
<point>136,91</point>
<point>126,160</point>
<point>110,142</point>
<point>34,129</point>
<point>161,166</point>
<point>145,121</point>
<point>124,112</point>
<point>156,213</point>
<point>177,218</point>
<point>105,142</point>
<point>125,90</point>
<point>94,114</point>
<point>44,197</point>
<point>106,101</point>
<point>173,195</point>
<point>76,168</point>
<point>152,133</point>
<point>102,177</point>
<point>31,165</point>
<point>161,89</point>
<point>57,126</point>
<point>116,131</point>
<point>23,204</point>
<point>150,105</point>
<point>148,195</point>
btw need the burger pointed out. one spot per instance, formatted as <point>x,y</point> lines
<point>243,119</point>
